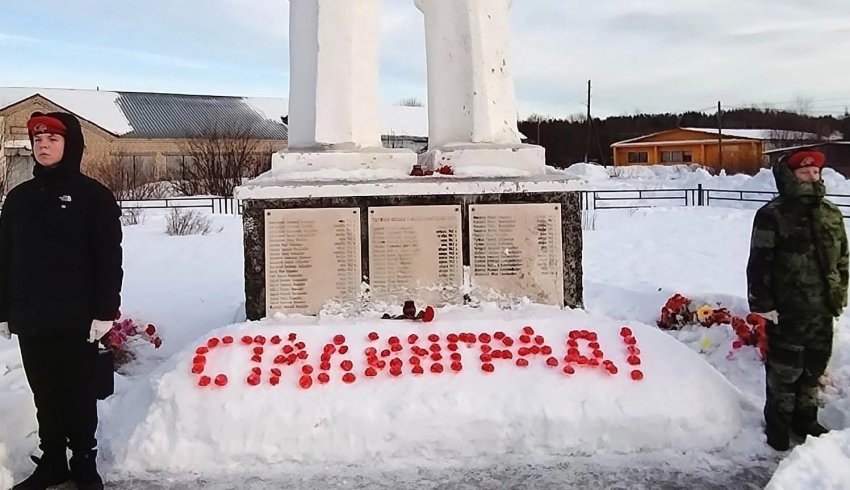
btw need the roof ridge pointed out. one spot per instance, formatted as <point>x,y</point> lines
<point>98,90</point>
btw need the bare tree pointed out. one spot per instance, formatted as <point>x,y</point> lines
<point>181,222</point>
<point>220,156</point>
<point>803,105</point>
<point>392,140</point>
<point>125,175</point>
<point>410,102</point>
<point>779,138</point>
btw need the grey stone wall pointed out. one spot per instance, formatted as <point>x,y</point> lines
<point>254,232</point>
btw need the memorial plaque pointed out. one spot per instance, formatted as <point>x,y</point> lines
<point>516,251</point>
<point>415,253</point>
<point>312,257</point>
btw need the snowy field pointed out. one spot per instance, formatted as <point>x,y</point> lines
<point>693,421</point>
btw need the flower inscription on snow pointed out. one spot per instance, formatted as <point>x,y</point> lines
<point>414,355</point>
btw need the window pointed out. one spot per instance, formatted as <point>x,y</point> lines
<point>137,169</point>
<point>175,166</point>
<point>638,157</point>
<point>676,157</point>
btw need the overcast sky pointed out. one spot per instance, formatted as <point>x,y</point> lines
<point>642,55</point>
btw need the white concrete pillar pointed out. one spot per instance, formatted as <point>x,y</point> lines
<point>471,97</point>
<point>333,89</point>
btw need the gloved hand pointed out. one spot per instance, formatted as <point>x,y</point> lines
<point>4,330</point>
<point>99,328</point>
<point>771,316</point>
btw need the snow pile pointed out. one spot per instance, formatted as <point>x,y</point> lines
<point>424,419</point>
<point>598,177</point>
<point>185,285</point>
<point>820,463</point>
<point>17,430</point>
<point>6,480</point>
<point>588,172</point>
<point>836,391</point>
<point>674,174</point>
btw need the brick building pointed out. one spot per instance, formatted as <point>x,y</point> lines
<point>148,131</point>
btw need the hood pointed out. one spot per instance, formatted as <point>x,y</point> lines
<point>74,146</point>
<point>791,188</point>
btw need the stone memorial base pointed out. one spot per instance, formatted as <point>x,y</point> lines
<point>527,158</point>
<point>343,159</point>
<point>410,239</point>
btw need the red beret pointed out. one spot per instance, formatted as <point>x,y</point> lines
<point>803,159</point>
<point>45,124</point>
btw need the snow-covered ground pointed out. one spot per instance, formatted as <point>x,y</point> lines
<point>538,425</point>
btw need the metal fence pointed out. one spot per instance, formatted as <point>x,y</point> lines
<point>591,200</point>
<point>215,205</point>
<point>640,198</point>
<point>699,196</point>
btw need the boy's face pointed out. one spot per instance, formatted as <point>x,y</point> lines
<point>807,174</point>
<point>48,148</point>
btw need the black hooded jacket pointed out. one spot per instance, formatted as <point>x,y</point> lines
<point>60,247</point>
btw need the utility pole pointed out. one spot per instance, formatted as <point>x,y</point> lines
<point>587,145</point>
<point>719,138</point>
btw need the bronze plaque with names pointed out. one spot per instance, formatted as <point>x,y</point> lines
<point>516,250</point>
<point>415,253</point>
<point>312,257</point>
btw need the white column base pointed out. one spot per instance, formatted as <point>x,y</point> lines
<point>363,159</point>
<point>528,158</point>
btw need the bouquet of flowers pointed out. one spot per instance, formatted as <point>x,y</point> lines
<point>680,311</point>
<point>751,331</point>
<point>676,313</point>
<point>126,337</point>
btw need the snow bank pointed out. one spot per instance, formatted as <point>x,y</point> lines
<point>682,176</point>
<point>836,391</point>
<point>17,413</point>
<point>588,172</point>
<point>819,463</point>
<point>5,475</point>
<point>672,173</point>
<point>429,419</point>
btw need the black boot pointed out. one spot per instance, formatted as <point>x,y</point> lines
<point>84,470</point>
<point>51,470</point>
<point>778,438</point>
<point>814,429</point>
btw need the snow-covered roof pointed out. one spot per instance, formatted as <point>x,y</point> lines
<point>395,120</point>
<point>404,121</point>
<point>96,106</point>
<point>131,113</point>
<point>760,134</point>
<point>811,145</point>
<point>747,134</point>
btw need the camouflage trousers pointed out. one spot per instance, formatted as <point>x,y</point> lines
<point>798,350</point>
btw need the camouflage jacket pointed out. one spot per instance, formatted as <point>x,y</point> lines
<point>798,253</point>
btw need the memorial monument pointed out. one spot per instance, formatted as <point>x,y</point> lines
<point>333,88</point>
<point>471,101</point>
<point>313,240</point>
